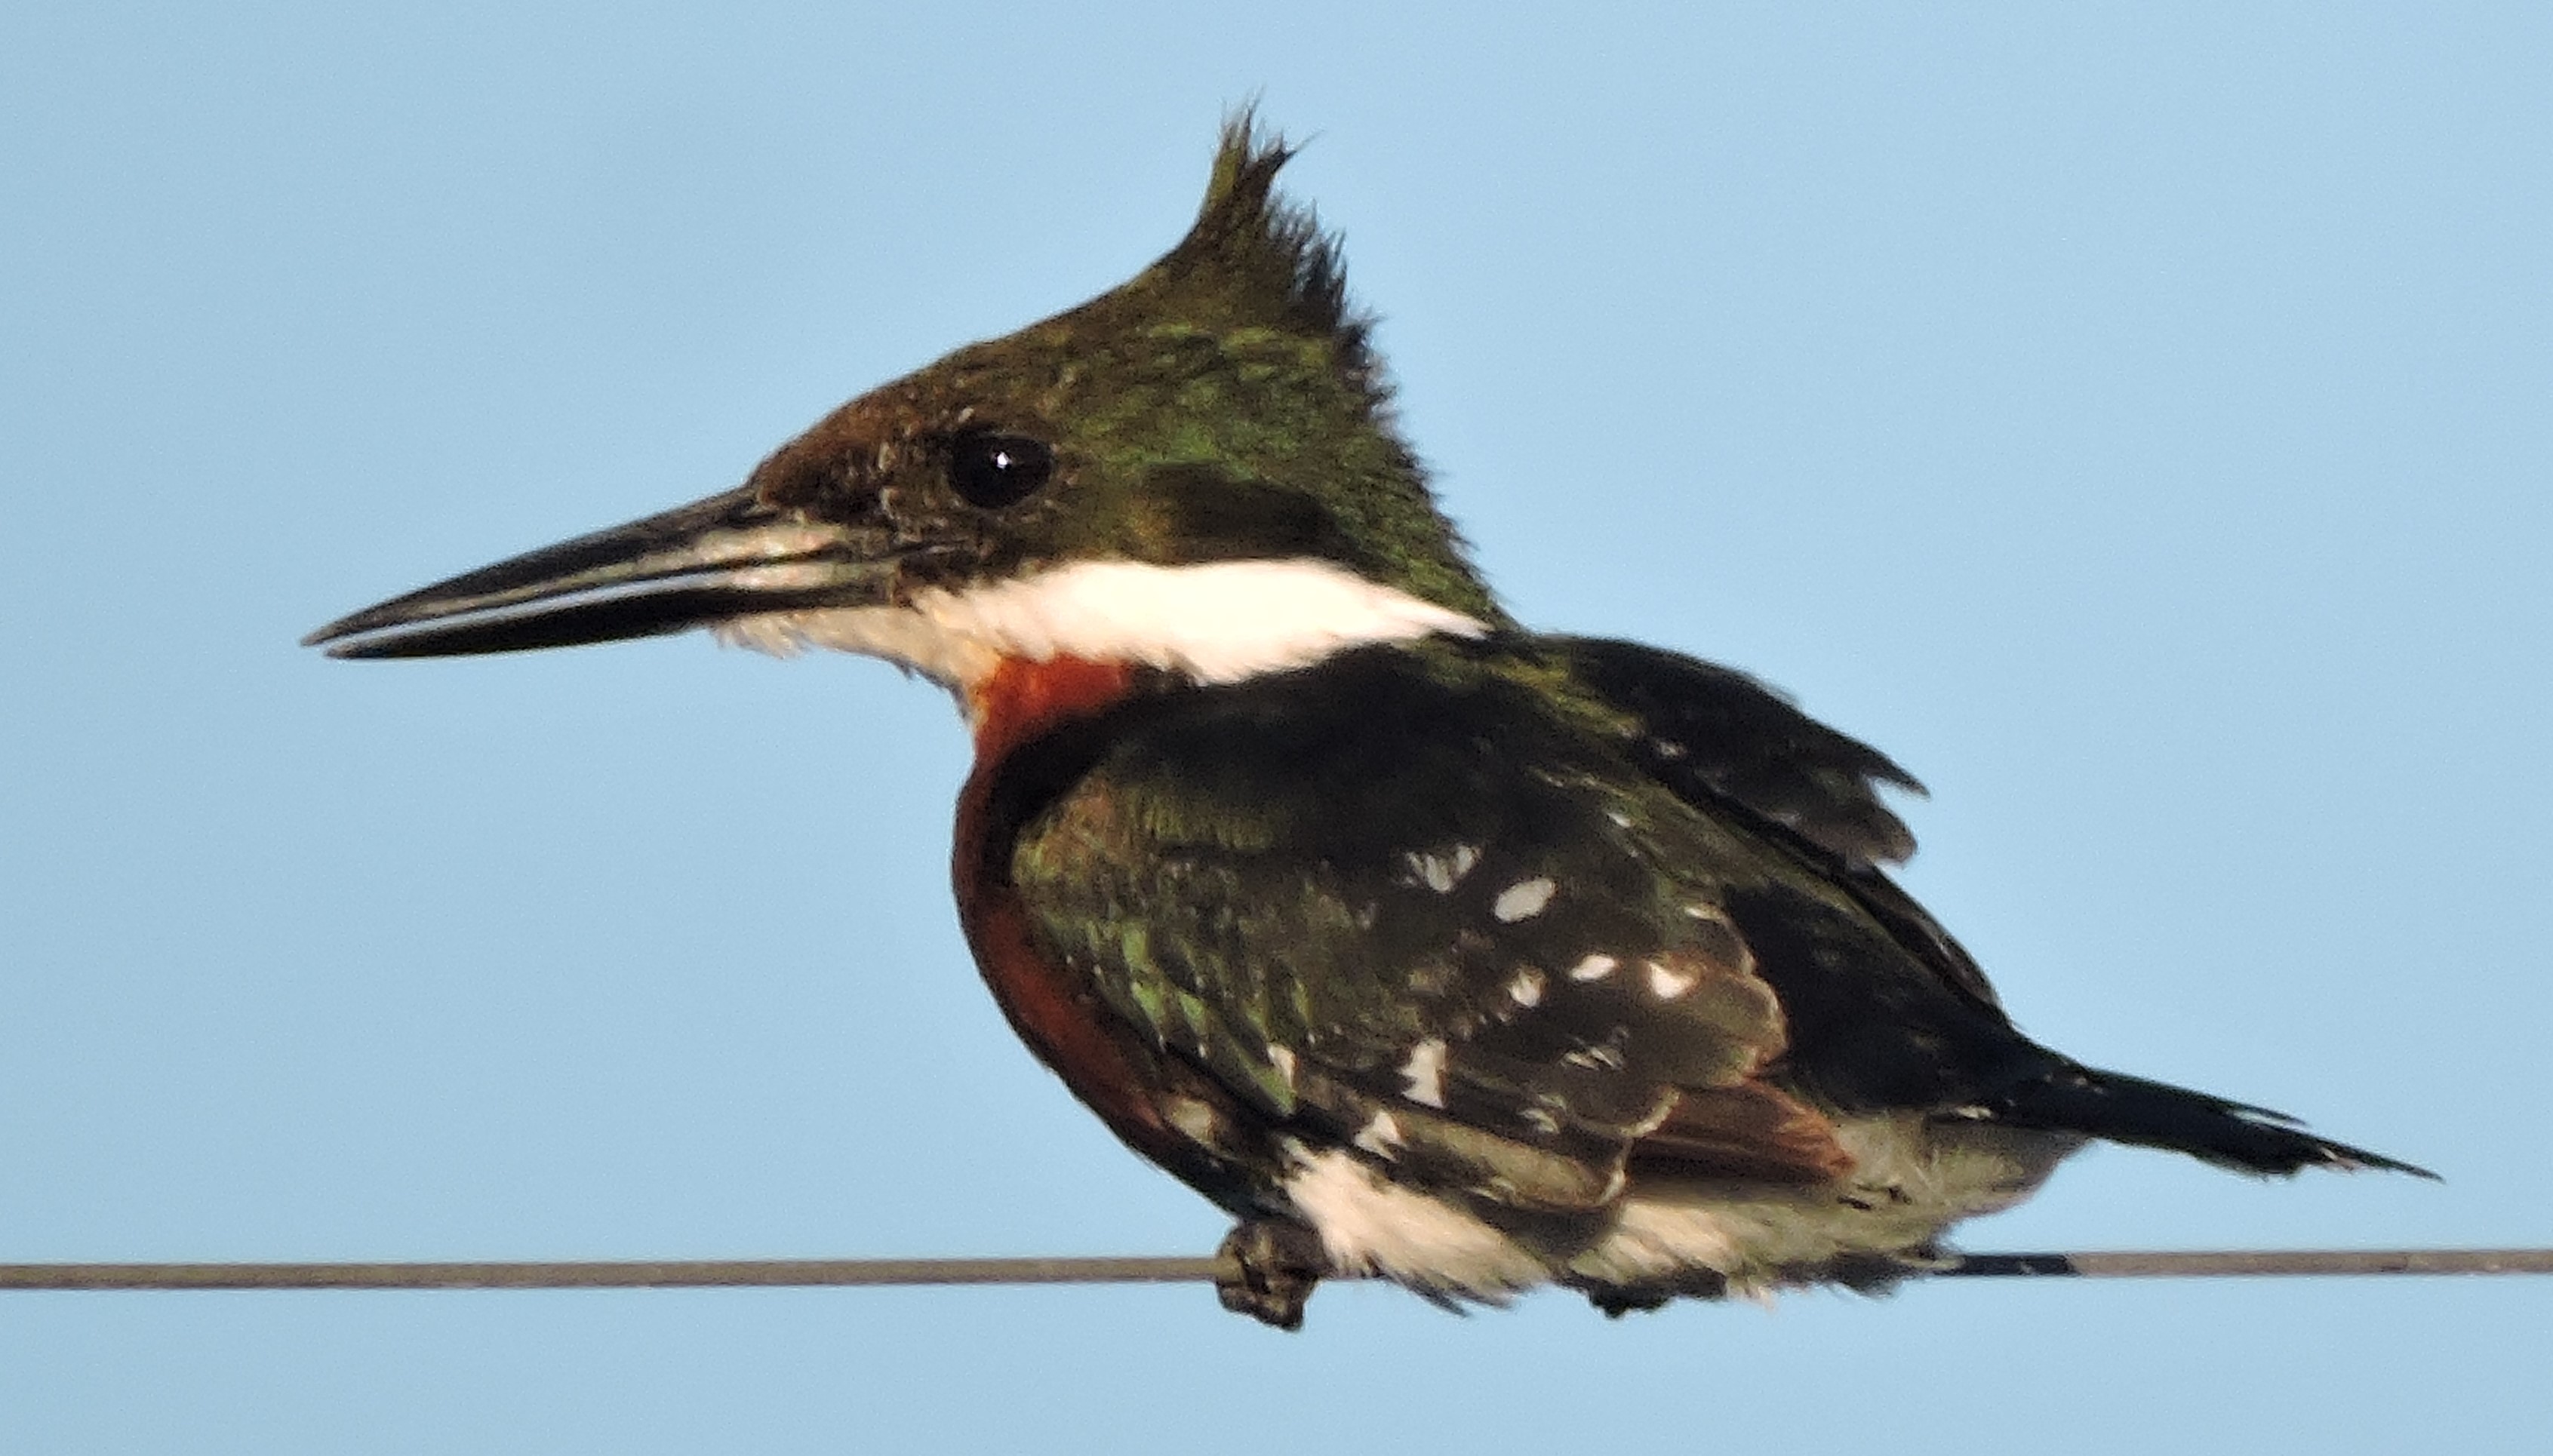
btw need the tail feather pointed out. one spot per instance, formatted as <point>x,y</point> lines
<point>2131,1109</point>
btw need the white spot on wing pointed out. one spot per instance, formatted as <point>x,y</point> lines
<point>1668,983</point>
<point>1441,873</point>
<point>1605,1058</point>
<point>1423,1075</point>
<point>1192,1117</point>
<point>1526,988</point>
<point>1594,968</point>
<point>1282,1059</point>
<point>1380,1137</point>
<point>1524,899</point>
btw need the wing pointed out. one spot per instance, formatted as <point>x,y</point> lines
<point>1709,731</point>
<point>1725,743</point>
<point>1869,1022</point>
<point>1426,905</point>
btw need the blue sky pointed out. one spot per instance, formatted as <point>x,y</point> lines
<point>2133,418</point>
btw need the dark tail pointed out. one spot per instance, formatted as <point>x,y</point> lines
<point>2153,1115</point>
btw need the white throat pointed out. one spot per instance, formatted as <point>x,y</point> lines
<point>1219,622</point>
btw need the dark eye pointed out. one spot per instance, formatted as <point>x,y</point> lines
<point>993,470</point>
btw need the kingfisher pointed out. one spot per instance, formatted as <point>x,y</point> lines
<point>1425,945</point>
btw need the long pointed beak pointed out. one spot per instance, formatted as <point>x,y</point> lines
<point>729,555</point>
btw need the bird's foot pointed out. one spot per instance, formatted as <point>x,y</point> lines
<point>1276,1265</point>
<point>1616,1303</point>
<point>1617,1300</point>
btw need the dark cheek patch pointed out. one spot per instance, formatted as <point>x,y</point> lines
<point>1214,516</point>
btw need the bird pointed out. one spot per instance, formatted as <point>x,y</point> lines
<point>1426,946</point>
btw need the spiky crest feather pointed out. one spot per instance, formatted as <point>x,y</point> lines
<point>1247,231</point>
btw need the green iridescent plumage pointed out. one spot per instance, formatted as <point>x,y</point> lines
<point>1423,944</point>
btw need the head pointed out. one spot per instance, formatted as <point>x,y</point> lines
<point>1196,472</point>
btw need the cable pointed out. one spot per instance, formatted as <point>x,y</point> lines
<point>809,1273</point>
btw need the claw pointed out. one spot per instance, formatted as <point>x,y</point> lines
<point>1276,1265</point>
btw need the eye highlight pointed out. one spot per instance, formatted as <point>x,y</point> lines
<point>991,470</point>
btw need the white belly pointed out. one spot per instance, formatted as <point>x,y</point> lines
<point>1914,1178</point>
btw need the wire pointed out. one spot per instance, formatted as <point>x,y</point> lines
<point>809,1273</point>
<point>606,1274</point>
<point>2252,1262</point>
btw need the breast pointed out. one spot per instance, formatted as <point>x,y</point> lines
<point>1161,1109</point>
